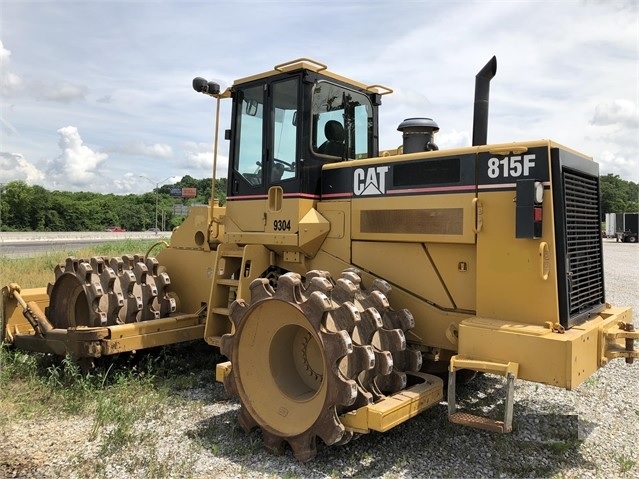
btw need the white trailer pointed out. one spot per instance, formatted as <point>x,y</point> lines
<point>611,225</point>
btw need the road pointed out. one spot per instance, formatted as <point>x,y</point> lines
<point>19,245</point>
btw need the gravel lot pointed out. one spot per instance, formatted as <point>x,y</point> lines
<point>589,432</point>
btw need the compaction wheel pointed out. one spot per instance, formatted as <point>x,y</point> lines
<point>302,354</point>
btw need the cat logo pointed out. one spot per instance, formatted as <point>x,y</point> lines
<point>370,181</point>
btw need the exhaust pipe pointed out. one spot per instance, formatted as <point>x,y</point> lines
<point>482,88</point>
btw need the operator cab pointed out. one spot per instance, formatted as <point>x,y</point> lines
<point>290,121</point>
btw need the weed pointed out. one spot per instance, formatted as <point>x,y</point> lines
<point>592,380</point>
<point>561,447</point>
<point>625,464</point>
<point>289,475</point>
<point>37,271</point>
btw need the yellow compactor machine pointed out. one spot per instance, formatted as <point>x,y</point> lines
<point>341,281</point>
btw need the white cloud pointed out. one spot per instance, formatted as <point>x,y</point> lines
<point>9,81</point>
<point>617,164</point>
<point>7,127</point>
<point>64,92</point>
<point>452,139</point>
<point>77,165</point>
<point>12,85</point>
<point>572,78</point>
<point>126,183</point>
<point>156,150</point>
<point>14,166</point>
<point>616,112</point>
<point>199,157</point>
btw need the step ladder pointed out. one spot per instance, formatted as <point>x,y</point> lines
<point>508,370</point>
<point>225,290</point>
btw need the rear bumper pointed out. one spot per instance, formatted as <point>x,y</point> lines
<point>548,354</point>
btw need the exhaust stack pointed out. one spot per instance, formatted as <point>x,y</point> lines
<point>482,89</point>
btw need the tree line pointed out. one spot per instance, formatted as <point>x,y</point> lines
<point>618,196</point>
<point>33,208</point>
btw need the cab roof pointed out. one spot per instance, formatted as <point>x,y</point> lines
<point>314,66</point>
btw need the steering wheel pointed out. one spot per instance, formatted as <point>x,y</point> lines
<point>287,166</point>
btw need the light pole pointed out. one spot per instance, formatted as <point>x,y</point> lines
<point>1,188</point>
<point>157,194</point>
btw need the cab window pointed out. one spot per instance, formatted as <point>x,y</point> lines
<point>342,122</point>
<point>250,129</point>
<point>284,130</point>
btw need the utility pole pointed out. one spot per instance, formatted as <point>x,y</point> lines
<point>2,185</point>
<point>157,194</point>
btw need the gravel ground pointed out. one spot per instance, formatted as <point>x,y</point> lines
<point>589,432</point>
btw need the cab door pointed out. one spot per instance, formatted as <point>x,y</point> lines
<point>264,153</point>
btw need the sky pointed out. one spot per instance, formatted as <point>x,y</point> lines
<point>96,95</point>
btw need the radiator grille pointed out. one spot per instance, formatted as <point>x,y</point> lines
<point>583,241</point>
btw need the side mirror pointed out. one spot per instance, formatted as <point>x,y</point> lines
<point>251,107</point>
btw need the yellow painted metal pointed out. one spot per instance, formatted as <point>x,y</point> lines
<point>93,342</point>
<point>563,360</point>
<point>618,336</point>
<point>312,65</point>
<point>398,408</point>
<point>434,273</point>
<point>247,216</point>
<point>421,218</point>
<point>222,370</point>
<point>158,332</point>
<point>509,370</point>
<point>313,228</point>
<point>13,321</point>
<point>276,334</point>
<point>338,239</point>
<point>459,362</point>
<point>390,411</point>
<point>296,226</point>
<point>236,268</point>
<point>193,233</point>
<point>503,260</point>
<point>96,342</point>
<point>191,272</point>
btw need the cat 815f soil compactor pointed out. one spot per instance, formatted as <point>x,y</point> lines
<point>339,279</point>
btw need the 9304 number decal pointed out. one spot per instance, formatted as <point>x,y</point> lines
<point>282,225</point>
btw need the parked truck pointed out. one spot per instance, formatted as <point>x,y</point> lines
<point>623,226</point>
<point>341,280</point>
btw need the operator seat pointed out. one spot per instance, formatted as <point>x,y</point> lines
<point>334,144</point>
<point>277,171</point>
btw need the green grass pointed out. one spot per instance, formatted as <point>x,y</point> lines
<point>119,397</point>
<point>37,271</point>
<point>625,464</point>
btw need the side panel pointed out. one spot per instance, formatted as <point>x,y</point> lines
<point>246,215</point>
<point>338,240</point>
<point>417,198</point>
<point>191,273</point>
<point>631,222</point>
<point>442,275</point>
<point>516,278</point>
